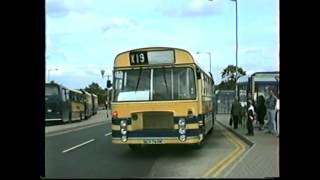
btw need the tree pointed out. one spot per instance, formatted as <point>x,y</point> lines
<point>229,73</point>
<point>229,77</point>
<point>96,89</point>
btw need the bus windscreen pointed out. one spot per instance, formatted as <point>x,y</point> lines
<point>155,84</point>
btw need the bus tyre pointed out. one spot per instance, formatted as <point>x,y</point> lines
<point>135,147</point>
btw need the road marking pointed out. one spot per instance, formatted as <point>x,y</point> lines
<point>231,159</point>
<point>48,134</point>
<point>227,160</point>
<point>108,134</point>
<point>240,160</point>
<point>74,147</point>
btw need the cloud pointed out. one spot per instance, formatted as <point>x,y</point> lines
<point>118,22</point>
<point>193,8</point>
<point>78,76</point>
<point>57,9</point>
<point>252,50</point>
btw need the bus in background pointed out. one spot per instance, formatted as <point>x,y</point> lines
<point>160,96</point>
<point>242,84</point>
<point>87,104</point>
<point>95,105</point>
<point>259,81</point>
<point>63,104</point>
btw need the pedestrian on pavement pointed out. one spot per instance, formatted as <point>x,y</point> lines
<point>244,115</point>
<point>251,98</point>
<point>250,119</point>
<point>271,111</point>
<point>261,111</point>
<point>236,112</point>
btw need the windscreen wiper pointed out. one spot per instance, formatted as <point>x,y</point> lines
<point>140,72</point>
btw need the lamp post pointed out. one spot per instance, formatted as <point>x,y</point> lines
<point>103,74</point>
<point>209,53</point>
<point>55,69</point>
<point>236,8</point>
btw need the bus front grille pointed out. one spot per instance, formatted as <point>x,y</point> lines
<point>158,120</point>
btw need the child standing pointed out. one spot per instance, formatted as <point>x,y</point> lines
<point>250,119</point>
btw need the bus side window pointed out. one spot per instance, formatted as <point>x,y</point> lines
<point>71,96</point>
<point>63,94</point>
<point>66,93</point>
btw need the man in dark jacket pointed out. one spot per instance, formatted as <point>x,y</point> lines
<point>261,111</point>
<point>236,112</point>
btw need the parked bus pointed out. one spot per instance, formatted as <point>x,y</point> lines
<point>63,104</point>
<point>87,104</point>
<point>95,105</point>
<point>160,96</point>
<point>259,81</point>
<point>242,84</point>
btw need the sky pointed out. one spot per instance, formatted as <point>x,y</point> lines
<point>84,36</point>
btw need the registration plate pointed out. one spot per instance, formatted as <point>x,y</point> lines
<point>153,141</point>
<point>49,110</point>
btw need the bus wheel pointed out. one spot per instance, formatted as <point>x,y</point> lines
<point>135,147</point>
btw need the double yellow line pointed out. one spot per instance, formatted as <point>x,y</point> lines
<point>227,160</point>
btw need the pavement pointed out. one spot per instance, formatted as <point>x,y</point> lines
<point>262,158</point>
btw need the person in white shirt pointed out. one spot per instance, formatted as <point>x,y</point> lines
<point>250,119</point>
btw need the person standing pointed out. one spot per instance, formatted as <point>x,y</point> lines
<point>236,112</point>
<point>261,111</point>
<point>271,111</point>
<point>250,119</point>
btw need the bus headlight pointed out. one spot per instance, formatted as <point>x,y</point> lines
<point>182,122</point>
<point>123,132</point>
<point>124,138</point>
<point>182,130</point>
<point>123,124</point>
<point>182,138</point>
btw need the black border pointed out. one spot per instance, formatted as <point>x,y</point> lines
<point>25,76</point>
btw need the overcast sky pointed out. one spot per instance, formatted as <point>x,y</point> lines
<point>84,36</point>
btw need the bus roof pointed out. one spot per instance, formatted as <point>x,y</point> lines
<point>180,56</point>
<point>265,76</point>
<point>85,92</point>
<point>74,90</point>
<point>267,72</point>
<point>55,85</point>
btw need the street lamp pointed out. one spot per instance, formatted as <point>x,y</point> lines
<point>103,74</point>
<point>209,53</point>
<point>236,1</point>
<point>55,69</point>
